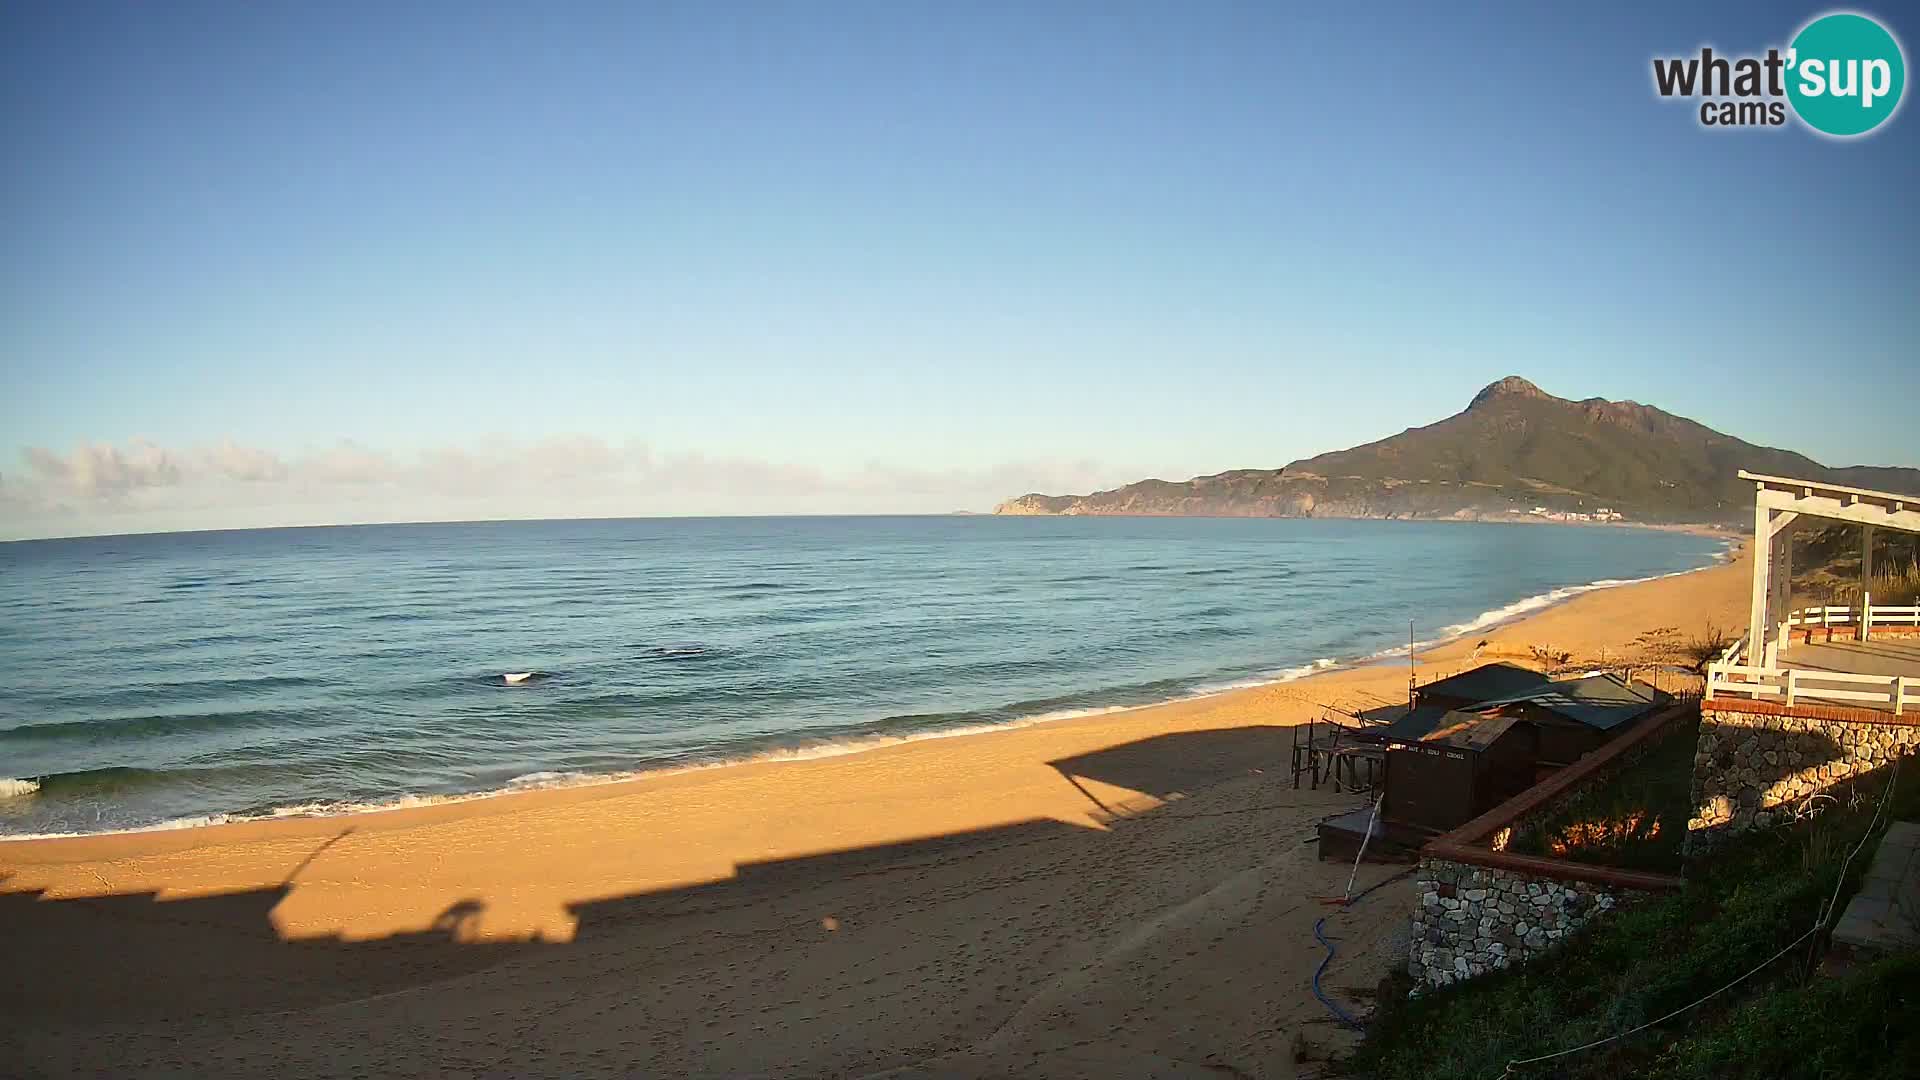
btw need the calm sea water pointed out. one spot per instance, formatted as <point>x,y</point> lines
<point>190,677</point>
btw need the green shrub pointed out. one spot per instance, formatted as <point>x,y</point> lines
<point>1752,898</point>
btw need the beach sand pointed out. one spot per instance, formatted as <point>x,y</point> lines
<point>1127,894</point>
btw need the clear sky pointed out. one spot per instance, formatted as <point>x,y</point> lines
<point>275,263</point>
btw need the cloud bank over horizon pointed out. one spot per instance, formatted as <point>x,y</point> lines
<point>141,486</point>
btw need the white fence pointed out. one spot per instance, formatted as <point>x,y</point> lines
<point>1790,686</point>
<point>1877,615</point>
<point>1732,654</point>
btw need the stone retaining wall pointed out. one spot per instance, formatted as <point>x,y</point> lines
<point>1474,919</point>
<point>1757,763</point>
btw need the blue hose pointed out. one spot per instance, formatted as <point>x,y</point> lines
<point>1337,1011</point>
<point>1320,936</point>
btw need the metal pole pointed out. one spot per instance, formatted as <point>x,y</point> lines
<point>1409,665</point>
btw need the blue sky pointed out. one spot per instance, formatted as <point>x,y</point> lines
<point>838,257</point>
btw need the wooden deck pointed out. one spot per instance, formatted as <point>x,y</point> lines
<point>1882,675</point>
<point>1888,656</point>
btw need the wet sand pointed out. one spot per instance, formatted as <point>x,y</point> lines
<point>1130,894</point>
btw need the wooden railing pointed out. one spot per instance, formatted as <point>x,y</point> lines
<point>1732,653</point>
<point>1791,686</point>
<point>1877,615</point>
<point>1773,681</point>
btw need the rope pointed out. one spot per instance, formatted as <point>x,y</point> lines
<point>1820,923</point>
<point>1382,883</point>
<point>1512,1065</point>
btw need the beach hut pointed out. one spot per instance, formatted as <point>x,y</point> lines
<point>1476,739</point>
<point>1466,765</point>
<point>1440,769</point>
<point>1578,716</point>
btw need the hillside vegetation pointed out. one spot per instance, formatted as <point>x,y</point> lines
<point>1740,907</point>
<point>1513,448</point>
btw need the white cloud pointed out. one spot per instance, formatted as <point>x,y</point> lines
<point>141,486</point>
<point>102,470</point>
<point>244,463</point>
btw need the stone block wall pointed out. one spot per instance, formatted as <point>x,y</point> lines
<point>1471,920</point>
<point>1757,763</point>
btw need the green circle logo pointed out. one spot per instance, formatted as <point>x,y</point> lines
<point>1845,74</point>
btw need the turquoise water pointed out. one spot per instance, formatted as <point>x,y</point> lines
<point>172,679</point>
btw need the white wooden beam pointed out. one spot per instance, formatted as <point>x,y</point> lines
<point>1786,590</point>
<point>1864,513</point>
<point>1866,580</point>
<point>1781,521</point>
<point>1757,612</point>
<point>1762,480</point>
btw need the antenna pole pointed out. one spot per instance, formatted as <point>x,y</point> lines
<point>1409,665</point>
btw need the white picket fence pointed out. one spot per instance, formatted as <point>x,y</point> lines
<point>1789,686</point>
<point>1877,615</point>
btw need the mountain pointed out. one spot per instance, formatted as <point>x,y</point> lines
<point>1513,448</point>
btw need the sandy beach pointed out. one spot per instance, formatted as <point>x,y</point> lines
<point>1128,894</point>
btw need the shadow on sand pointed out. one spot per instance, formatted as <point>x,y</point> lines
<point>141,956</point>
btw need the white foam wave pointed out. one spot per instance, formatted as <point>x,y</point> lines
<point>193,822</point>
<point>547,778</point>
<point>13,788</point>
<point>1534,603</point>
<point>1269,679</point>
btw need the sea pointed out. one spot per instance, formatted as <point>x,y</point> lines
<point>171,680</point>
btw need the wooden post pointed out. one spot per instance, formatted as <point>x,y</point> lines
<point>1296,755</point>
<point>1757,614</point>
<point>1786,589</point>
<point>1866,580</point>
<point>1789,687</point>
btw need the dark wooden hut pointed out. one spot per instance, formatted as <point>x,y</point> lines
<point>1465,766</point>
<point>1578,716</point>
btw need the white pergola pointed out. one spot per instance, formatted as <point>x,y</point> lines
<point>1779,504</point>
<point>1853,671</point>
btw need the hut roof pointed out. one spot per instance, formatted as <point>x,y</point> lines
<point>1415,724</point>
<point>1473,732</point>
<point>1486,682</point>
<point>1452,727</point>
<point>1602,702</point>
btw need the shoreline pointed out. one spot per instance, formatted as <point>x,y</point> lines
<point>1319,671</point>
<point>1119,894</point>
<point>551,781</point>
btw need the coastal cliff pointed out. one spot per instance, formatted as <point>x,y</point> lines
<point>1515,449</point>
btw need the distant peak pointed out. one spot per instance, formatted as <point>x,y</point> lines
<point>1511,386</point>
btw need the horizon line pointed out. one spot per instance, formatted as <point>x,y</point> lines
<point>1661,526</point>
